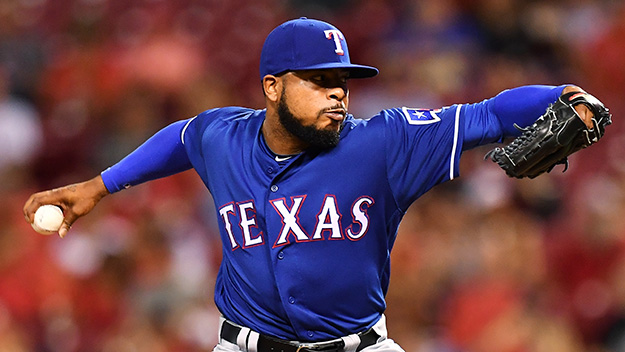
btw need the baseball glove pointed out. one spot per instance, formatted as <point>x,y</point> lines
<point>558,133</point>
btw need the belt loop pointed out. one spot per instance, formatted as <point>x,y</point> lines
<point>222,320</point>
<point>351,342</point>
<point>380,328</point>
<point>252,341</point>
<point>242,338</point>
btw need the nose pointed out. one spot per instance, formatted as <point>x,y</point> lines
<point>337,93</point>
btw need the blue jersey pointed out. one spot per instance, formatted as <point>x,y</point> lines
<point>319,219</point>
<point>307,239</point>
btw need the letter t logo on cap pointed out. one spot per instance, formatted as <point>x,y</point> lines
<point>338,36</point>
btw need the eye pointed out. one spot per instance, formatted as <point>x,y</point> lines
<point>318,78</point>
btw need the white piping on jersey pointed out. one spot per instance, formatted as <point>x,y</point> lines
<point>455,145</point>
<point>184,129</point>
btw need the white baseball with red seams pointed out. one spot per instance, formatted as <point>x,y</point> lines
<point>48,219</point>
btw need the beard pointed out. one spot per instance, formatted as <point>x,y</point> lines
<point>314,137</point>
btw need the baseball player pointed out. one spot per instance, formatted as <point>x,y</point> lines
<point>308,198</point>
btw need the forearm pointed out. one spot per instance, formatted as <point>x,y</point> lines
<point>493,119</point>
<point>160,156</point>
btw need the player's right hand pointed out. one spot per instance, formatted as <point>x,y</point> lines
<point>76,200</point>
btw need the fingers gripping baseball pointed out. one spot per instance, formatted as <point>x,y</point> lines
<point>75,200</point>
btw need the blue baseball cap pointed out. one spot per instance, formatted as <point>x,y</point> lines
<point>307,44</point>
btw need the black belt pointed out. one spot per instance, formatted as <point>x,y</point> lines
<point>230,332</point>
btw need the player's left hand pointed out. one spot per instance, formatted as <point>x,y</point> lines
<point>575,121</point>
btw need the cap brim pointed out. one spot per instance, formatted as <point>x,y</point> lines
<point>355,71</point>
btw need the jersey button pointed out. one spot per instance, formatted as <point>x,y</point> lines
<point>274,188</point>
<point>310,333</point>
<point>280,255</point>
<point>270,170</point>
<point>291,300</point>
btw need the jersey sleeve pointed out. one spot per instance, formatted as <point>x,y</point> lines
<point>423,149</point>
<point>493,119</point>
<point>161,155</point>
<point>191,138</point>
<point>424,145</point>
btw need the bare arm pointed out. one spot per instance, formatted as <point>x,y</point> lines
<point>76,200</point>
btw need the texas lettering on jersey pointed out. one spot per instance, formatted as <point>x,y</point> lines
<point>308,226</point>
<point>327,222</point>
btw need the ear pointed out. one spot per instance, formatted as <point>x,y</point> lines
<point>272,87</point>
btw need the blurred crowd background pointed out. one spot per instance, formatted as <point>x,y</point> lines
<point>482,264</point>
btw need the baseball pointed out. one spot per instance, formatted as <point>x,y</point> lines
<point>48,219</point>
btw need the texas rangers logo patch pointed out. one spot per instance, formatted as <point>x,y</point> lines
<point>421,116</point>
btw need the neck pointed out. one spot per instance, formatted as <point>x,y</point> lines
<point>278,139</point>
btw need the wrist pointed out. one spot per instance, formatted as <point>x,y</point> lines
<point>572,88</point>
<point>97,188</point>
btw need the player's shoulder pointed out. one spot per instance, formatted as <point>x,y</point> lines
<point>229,113</point>
<point>226,116</point>
<point>408,116</point>
<point>216,121</point>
